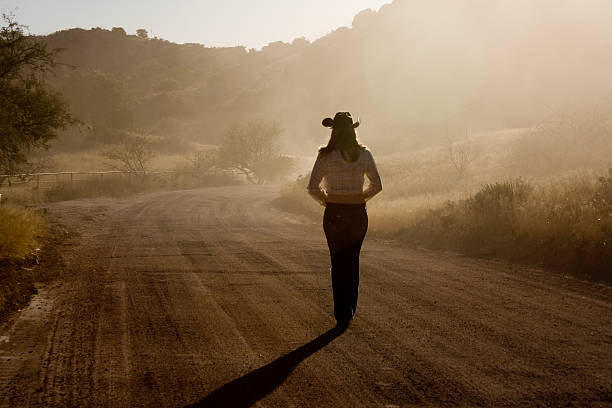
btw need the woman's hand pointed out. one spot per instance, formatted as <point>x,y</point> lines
<point>357,198</point>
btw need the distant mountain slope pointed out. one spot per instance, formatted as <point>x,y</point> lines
<point>410,70</point>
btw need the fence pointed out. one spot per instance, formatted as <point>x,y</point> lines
<point>24,187</point>
<point>47,180</point>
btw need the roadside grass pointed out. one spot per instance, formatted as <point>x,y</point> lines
<point>565,224</point>
<point>20,231</point>
<point>21,234</point>
<point>296,198</point>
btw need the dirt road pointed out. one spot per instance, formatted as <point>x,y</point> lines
<point>213,298</point>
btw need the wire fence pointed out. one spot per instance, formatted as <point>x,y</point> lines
<point>24,185</point>
<point>48,180</point>
<point>78,184</point>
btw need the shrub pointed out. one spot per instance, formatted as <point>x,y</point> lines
<point>296,197</point>
<point>252,150</point>
<point>493,209</point>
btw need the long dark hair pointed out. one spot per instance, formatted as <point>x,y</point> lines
<point>345,140</point>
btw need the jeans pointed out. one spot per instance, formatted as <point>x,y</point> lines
<point>345,226</point>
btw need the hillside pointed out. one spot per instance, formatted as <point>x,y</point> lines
<point>412,70</point>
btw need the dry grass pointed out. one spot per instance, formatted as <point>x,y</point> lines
<point>93,160</point>
<point>28,255</point>
<point>122,185</point>
<point>296,196</point>
<point>168,171</point>
<point>20,231</point>
<point>565,223</point>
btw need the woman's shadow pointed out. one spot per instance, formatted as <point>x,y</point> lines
<point>250,388</point>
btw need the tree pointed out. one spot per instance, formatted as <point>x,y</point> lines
<point>30,114</point>
<point>461,155</point>
<point>142,33</point>
<point>133,153</point>
<point>119,30</point>
<point>252,150</point>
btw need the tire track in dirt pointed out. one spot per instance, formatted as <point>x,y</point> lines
<point>212,298</point>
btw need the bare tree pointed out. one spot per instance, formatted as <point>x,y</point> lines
<point>461,154</point>
<point>133,153</point>
<point>252,150</point>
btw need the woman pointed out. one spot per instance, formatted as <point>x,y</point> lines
<point>343,164</point>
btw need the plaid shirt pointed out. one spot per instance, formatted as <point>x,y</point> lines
<point>343,178</point>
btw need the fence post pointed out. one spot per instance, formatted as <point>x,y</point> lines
<point>71,179</point>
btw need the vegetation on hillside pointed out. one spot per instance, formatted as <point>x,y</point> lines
<point>411,69</point>
<point>423,74</point>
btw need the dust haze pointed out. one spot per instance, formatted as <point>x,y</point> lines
<point>453,96</point>
<point>413,71</point>
<point>158,246</point>
<point>509,100</point>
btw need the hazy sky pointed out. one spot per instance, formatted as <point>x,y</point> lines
<point>252,23</point>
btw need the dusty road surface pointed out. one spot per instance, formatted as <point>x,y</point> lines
<point>213,298</point>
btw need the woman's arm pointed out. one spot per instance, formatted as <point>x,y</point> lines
<point>314,185</point>
<point>372,173</point>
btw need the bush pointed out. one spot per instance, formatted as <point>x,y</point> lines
<point>252,150</point>
<point>295,196</point>
<point>493,210</point>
